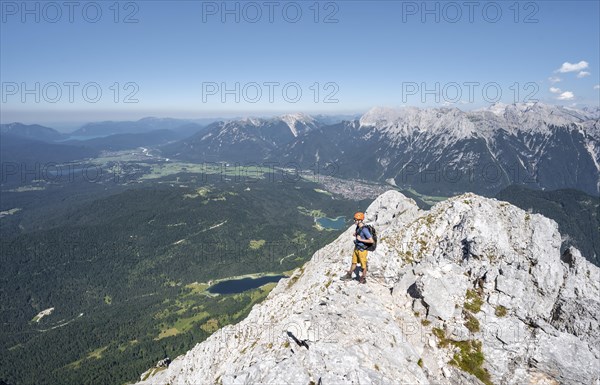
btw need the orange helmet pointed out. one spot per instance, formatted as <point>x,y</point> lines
<point>359,216</point>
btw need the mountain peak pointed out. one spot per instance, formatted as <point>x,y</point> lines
<point>472,277</point>
<point>299,122</point>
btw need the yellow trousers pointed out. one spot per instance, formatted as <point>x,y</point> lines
<point>360,256</point>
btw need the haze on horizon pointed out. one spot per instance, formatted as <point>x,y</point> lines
<point>199,59</point>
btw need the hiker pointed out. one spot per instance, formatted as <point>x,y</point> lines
<point>362,240</point>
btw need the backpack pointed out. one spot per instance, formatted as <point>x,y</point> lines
<point>373,232</point>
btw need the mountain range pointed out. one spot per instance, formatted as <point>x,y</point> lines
<point>438,151</point>
<point>144,125</point>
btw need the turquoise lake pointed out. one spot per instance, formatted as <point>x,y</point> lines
<point>338,223</point>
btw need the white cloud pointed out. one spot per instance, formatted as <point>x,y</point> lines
<point>554,90</point>
<point>554,79</point>
<point>583,74</point>
<point>568,67</point>
<point>597,87</point>
<point>567,95</point>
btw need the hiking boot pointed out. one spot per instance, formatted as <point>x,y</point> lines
<point>346,277</point>
<point>362,280</point>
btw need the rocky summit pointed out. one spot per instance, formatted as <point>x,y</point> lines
<point>473,291</point>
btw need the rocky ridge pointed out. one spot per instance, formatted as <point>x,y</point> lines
<point>472,291</point>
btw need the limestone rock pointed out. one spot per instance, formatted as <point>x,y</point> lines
<point>471,277</point>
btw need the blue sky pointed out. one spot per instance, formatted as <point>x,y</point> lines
<point>194,59</point>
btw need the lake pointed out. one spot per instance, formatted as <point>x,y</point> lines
<point>233,286</point>
<point>83,138</point>
<point>338,223</point>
